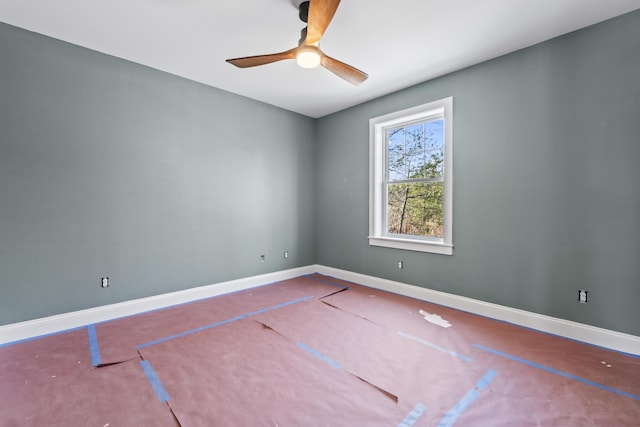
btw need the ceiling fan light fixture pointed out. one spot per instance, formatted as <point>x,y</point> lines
<point>308,57</point>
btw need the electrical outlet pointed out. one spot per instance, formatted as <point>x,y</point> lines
<point>401,264</point>
<point>262,258</point>
<point>104,282</point>
<point>286,254</point>
<point>583,296</point>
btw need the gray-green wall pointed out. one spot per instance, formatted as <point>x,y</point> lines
<point>109,168</point>
<point>546,180</point>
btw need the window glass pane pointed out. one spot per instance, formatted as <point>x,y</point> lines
<point>415,209</point>
<point>434,165</point>
<point>416,151</point>
<point>434,154</point>
<point>435,135</point>
<point>396,165</point>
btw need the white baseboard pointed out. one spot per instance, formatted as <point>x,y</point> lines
<point>62,322</point>
<point>597,336</point>
<point>577,331</point>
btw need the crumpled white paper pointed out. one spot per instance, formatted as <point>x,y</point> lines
<point>435,319</point>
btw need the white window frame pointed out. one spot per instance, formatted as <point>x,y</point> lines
<point>378,235</point>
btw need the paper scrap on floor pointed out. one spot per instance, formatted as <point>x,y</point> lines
<point>435,319</point>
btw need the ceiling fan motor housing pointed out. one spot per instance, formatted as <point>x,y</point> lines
<point>304,11</point>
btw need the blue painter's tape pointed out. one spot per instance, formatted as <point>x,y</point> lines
<point>413,416</point>
<point>637,356</point>
<point>223,322</point>
<point>37,337</point>
<point>156,384</point>
<point>436,347</point>
<point>262,310</point>
<point>555,371</point>
<point>192,331</point>
<point>96,359</point>
<point>450,417</point>
<point>319,355</point>
<point>288,303</point>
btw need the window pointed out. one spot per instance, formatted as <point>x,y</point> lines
<point>410,189</point>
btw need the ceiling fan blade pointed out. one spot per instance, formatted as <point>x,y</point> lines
<point>320,15</point>
<point>344,71</point>
<point>254,61</point>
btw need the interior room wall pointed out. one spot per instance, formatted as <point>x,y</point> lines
<point>111,169</point>
<point>546,180</point>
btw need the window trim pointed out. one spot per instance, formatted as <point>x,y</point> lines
<point>377,177</point>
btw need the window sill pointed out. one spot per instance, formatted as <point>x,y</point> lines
<point>412,245</point>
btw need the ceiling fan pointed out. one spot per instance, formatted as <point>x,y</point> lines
<point>317,14</point>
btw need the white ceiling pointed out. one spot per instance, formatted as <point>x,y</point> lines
<point>397,42</point>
